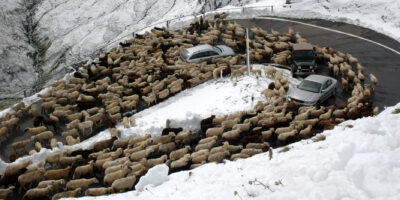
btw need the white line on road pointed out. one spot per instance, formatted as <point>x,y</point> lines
<point>333,30</point>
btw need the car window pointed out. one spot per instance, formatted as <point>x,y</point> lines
<point>195,56</point>
<point>212,53</point>
<point>327,84</point>
<point>310,86</point>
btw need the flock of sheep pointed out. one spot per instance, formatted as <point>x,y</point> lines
<point>147,69</point>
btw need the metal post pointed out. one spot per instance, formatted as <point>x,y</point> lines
<point>272,9</point>
<point>247,51</point>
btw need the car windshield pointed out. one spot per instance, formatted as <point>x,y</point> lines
<point>310,86</point>
<point>217,49</point>
<point>307,54</point>
<point>185,55</point>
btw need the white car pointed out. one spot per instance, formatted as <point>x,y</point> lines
<point>205,52</point>
<point>313,90</point>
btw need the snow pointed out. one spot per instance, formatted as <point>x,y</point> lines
<point>154,177</point>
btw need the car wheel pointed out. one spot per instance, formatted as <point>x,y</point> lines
<point>318,104</point>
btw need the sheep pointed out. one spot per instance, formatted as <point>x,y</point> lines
<point>20,144</point>
<point>340,113</point>
<point>199,156</point>
<point>217,131</point>
<point>182,136</point>
<point>5,192</point>
<point>73,132</point>
<point>31,177</point>
<point>121,143</point>
<point>57,184</point>
<point>11,123</point>
<point>228,124</point>
<point>73,124</point>
<point>181,162</point>
<point>266,135</point>
<point>239,156</point>
<point>167,148</point>
<point>136,140</point>
<point>177,154</point>
<point>86,98</point>
<point>284,129</point>
<point>46,135</point>
<point>111,169</point>
<point>283,136</point>
<point>164,138</point>
<point>218,156</point>
<point>306,132</point>
<point>156,161</point>
<point>74,116</point>
<point>72,141</point>
<point>163,94</point>
<point>38,193</point>
<point>242,127</point>
<point>125,122</point>
<point>113,110</point>
<point>207,145</point>
<point>251,151</point>
<point>326,116</point>
<point>231,135</point>
<point>136,156</point>
<point>375,111</point>
<point>123,184</point>
<point>104,144</point>
<point>38,146</point>
<point>99,163</point>
<point>374,80</point>
<point>114,132</point>
<point>110,178</point>
<point>3,132</point>
<point>64,160</point>
<point>263,146</point>
<point>36,130</point>
<point>115,117</point>
<point>207,139</point>
<point>80,183</point>
<point>115,162</point>
<point>98,191</point>
<point>72,193</point>
<point>83,170</point>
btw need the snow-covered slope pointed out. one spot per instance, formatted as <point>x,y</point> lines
<point>16,71</point>
<point>356,160</point>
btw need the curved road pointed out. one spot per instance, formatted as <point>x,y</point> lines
<point>382,62</point>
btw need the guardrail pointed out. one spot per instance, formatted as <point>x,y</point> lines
<point>172,24</point>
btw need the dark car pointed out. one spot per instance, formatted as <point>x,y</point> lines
<point>302,59</point>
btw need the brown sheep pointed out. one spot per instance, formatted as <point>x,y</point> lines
<point>83,170</point>
<point>56,174</point>
<point>156,161</point>
<point>80,183</point>
<point>5,192</point>
<point>181,162</point>
<point>177,154</point>
<point>38,193</point>
<point>98,191</point>
<point>218,157</point>
<point>110,178</point>
<point>123,184</point>
<point>36,130</point>
<point>29,178</point>
<point>200,156</point>
<point>72,193</point>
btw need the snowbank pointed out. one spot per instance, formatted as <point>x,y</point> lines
<point>154,177</point>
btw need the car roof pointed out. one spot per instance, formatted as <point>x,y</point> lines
<point>197,48</point>
<point>302,46</point>
<point>317,78</point>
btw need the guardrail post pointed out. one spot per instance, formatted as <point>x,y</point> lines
<point>247,51</point>
<point>272,9</point>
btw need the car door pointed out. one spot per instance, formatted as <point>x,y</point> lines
<point>327,88</point>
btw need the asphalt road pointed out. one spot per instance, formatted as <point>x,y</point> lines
<point>383,63</point>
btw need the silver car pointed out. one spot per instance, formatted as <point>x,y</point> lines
<point>205,52</point>
<point>313,90</point>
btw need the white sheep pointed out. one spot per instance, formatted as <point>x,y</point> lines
<point>200,156</point>
<point>36,130</point>
<point>217,131</point>
<point>72,141</point>
<point>177,154</point>
<point>123,184</point>
<point>98,191</point>
<point>83,170</point>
